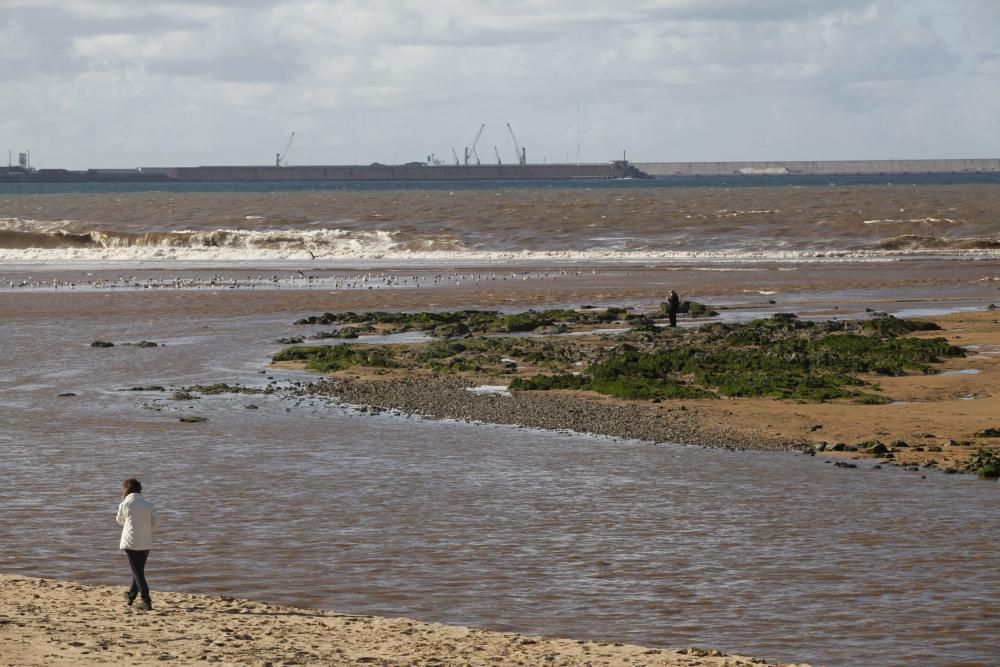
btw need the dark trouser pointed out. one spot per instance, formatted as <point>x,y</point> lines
<point>137,563</point>
<point>673,317</point>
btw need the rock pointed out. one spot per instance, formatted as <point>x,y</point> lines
<point>101,343</point>
<point>146,343</point>
<point>250,407</point>
<point>988,433</point>
<point>876,447</point>
<point>66,394</point>
<point>193,420</point>
<point>844,464</point>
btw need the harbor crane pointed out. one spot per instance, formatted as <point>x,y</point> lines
<point>281,159</point>
<point>522,157</point>
<point>454,155</point>
<point>499,161</point>
<point>471,150</point>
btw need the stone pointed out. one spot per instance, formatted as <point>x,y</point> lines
<point>877,448</point>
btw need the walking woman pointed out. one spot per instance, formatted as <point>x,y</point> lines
<point>137,517</point>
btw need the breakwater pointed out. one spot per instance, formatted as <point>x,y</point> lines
<point>418,171</point>
<point>820,167</point>
<point>374,172</point>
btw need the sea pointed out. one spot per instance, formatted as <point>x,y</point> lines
<point>703,219</point>
<point>306,502</point>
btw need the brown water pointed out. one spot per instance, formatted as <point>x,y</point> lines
<point>604,220</point>
<point>303,503</point>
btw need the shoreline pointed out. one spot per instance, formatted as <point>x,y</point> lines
<point>933,422</point>
<point>451,398</point>
<point>45,622</point>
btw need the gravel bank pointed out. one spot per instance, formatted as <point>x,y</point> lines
<point>450,398</point>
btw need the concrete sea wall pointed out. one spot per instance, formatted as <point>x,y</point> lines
<point>843,167</point>
<point>393,172</point>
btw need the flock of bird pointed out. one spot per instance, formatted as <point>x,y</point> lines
<point>297,280</point>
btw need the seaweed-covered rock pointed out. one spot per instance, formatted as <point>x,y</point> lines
<point>986,464</point>
<point>102,343</point>
<point>451,330</point>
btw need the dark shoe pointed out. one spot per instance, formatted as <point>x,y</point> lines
<point>145,605</point>
<point>128,598</point>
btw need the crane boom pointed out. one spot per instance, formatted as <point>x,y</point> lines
<point>280,158</point>
<point>454,155</point>
<point>521,156</point>
<point>471,150</point>
<point>497,151</point>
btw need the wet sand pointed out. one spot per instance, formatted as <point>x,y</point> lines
<point>46,622</point>
<point>827,289</point>
<point>929,411</point>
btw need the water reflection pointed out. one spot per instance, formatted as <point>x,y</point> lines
<point>301,503</point>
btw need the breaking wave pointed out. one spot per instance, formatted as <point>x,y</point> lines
<point>66,241</point>
<point>920,243</point>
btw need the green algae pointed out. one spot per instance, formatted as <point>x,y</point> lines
<point>329,358</point>
<point>463,322</point>
<point>780,357</point>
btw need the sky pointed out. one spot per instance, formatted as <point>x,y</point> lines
<point>130,83</point>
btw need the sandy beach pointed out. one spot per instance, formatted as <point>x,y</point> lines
<point>47,622</point>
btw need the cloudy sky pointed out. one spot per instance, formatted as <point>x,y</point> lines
<point>125,83</point>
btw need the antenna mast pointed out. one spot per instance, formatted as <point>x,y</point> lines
<point>578,132</point>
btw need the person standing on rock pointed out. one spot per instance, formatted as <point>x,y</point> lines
<point>137,517</point>
<point>673,305</point>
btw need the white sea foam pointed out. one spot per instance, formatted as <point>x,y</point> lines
<point>333,245</point>
<point>895,221</point>
<point>353,250</point>
<point>30,225</point>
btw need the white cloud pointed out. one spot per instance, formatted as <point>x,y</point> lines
<point>113,82</point>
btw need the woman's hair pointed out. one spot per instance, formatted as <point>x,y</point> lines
<point>131,485</point>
